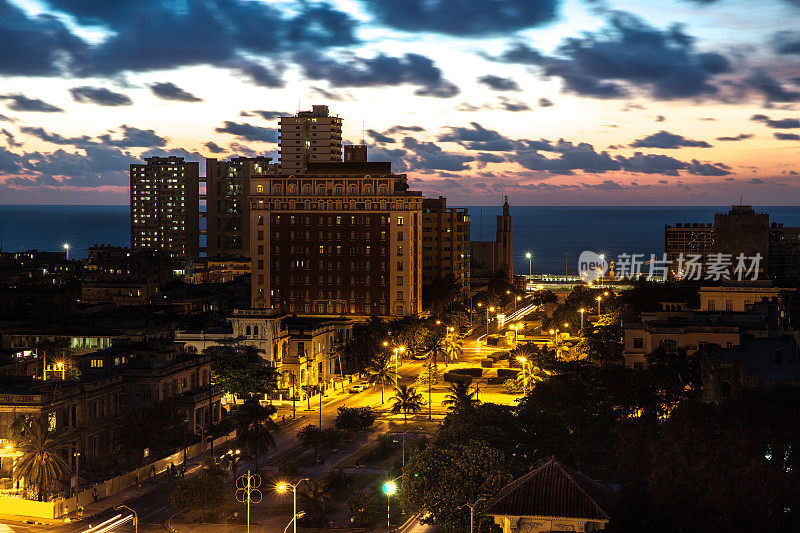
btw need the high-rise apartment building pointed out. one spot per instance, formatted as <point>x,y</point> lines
<point>165,206</point>
<point>309,137</point>
<point>228,204</point>
<point>341,239</point>
<point>445,243</point>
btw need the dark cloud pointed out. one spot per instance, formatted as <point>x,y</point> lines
<point>99,96</point>
<point>353,71</point>
<point>786,136</point>
<point>463,17</point>
<point>214,148</point>
<point>771,88</point>
<point>786,42</point>
<point>56,138</point>
<point>11,141</point>
<point>249,132</point>
<point>270,115</point>
<point>429,156</point>
<point>629,52</point>
<point>169,91</point>
<point>666,140</point>
<point>133,137</point>
<point>379,137</point>
<point>545,102</point>
<point>512,105</point>
<point>19,102</point>
<point>498,83</point>
<point>740,137</point>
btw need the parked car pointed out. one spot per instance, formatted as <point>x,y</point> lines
<point>358,388</point>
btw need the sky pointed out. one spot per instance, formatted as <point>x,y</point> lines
<point>551,102</point>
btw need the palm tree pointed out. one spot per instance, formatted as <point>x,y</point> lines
<point>40,463</point>
<point>453,348</point>
<point>255,428</point>
<point>459,399</point>
<point>381,373</point>
<point>407,400</point>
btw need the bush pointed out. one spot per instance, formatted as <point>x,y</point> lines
<point>365,509</point>
<point>353,419</point>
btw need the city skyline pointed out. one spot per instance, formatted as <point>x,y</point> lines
<point>555,103</point>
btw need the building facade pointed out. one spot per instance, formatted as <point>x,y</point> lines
<point>445,243</point>
<point>309,137</point>
<point>228,206</point>
<point>165,206</point>
<point>341,239</point>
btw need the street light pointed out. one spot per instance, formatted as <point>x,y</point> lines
<point>389,488</point>
<point>135,516</point>
<point>66,247</point>
<point>282,487</point>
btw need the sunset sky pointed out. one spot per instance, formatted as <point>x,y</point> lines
<point>554,102</point>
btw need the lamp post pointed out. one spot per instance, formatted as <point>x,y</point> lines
<point>389,488</point>
<point>135,516</point>
<point>66,247</point>
<point>471,510</point>
<point>284,486</point>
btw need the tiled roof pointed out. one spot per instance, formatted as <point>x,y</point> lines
<point>553,490</point>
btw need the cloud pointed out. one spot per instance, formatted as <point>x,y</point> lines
<point>249,132</point>
<point>463,17</point>
<point>666,140</point>
<point>740,137</point>
<point>512,105</point>
<point>629,52</point>
<point>498,83</point>
<point>21,102</point>
<point>133,137</point>
<point>786,136</point>
<point>99,96</point>
<point>786,42</point>
<point>169,91</point>
<point>214,148</point>
<point>350,70</point>
<point>545,102</point>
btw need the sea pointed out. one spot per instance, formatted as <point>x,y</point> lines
<point>554,236</point>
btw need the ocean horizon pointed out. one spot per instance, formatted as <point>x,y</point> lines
<point>554,235</point>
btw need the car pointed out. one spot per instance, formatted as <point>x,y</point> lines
<point>358,388</point>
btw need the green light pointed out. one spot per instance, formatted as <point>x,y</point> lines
<point>389,488</point>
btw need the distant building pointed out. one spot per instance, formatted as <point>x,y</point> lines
<point>445,243</point>
<point>309,137</point>
<point>165,206</point>
<point>739,231</point>
<point>552,498</point>
<point>490,257</point>
<point>341,239</point>
<point>228,204</point>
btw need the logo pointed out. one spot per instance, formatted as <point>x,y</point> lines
<point>591,265</point>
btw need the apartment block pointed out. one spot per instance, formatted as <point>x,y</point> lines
<point>309,137</point>
<point>445,243</point>
<point>165,206</point>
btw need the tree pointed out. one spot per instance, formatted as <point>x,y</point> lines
<point>407,400</point>
<point>238,369</point>
<point>446,474</point>
<point>40,463</point>
<point>381,373</point>
<point>203,492</point>
<point>157,426</point>
<point>311,435</point>
<point>255,428</point>
<point>353,419</point>
<point>459,399</point>
<point>313,498</point>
